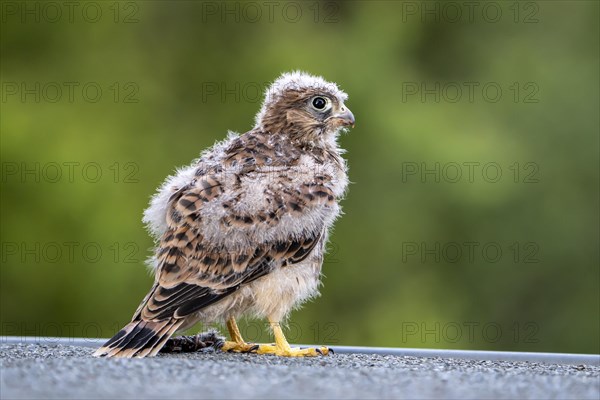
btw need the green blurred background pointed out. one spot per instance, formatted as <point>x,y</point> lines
<point>101,101</point>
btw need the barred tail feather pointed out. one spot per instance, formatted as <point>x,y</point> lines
<point>139,339</point>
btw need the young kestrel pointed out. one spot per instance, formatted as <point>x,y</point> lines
<point>242,231</point>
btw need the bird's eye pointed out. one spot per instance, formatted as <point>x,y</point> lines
<point>319,103</point>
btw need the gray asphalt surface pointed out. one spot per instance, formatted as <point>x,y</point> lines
<point>31,371</point>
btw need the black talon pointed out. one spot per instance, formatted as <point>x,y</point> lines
<point>319,351</point>
<point>218,344</point>
<point>254,348</point>
<point>331,351</point>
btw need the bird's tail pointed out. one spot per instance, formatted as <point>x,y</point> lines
<point>139,339</point>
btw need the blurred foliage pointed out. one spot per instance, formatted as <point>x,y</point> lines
<point>192,70</point>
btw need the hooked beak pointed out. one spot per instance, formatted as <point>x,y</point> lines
<point>346,116</point>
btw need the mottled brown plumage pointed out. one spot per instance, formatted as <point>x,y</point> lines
<point>243,229</point>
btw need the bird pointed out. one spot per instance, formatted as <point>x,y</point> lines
<point>242,231</point>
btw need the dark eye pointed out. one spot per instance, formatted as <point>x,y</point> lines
<point>319,103</point>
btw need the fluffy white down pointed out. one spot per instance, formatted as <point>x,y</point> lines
<point>155,214</point>
<point>253,199</point>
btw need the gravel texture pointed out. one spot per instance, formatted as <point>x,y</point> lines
<point>31,371</point>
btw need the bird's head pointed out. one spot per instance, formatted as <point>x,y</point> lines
<point>305,107</point>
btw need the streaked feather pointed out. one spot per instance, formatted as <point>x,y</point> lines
<point>250,206</point>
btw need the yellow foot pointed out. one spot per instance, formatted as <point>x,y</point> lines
<point>239,347</point>
<point>281,347</point>
<point>293,351</point>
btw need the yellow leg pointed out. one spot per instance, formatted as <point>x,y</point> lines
<point>234,331</point>
<point>237,343</point>
<point>283,348</point>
